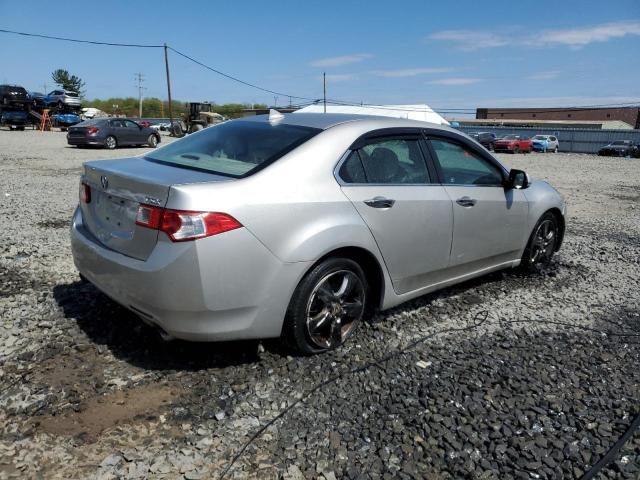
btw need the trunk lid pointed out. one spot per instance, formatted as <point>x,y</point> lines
<point>118,187</point>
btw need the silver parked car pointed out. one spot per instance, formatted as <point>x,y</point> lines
<point>62,98</point>
<point>299,225</point>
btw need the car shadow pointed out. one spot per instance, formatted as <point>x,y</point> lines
<point>129,339</point>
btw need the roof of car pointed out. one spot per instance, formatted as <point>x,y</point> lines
<point>324,121</point>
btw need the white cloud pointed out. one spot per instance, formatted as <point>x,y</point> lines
<point>571,37</point>
<point>409,72</point>
<point>455,81</point>
<point>543,76</point>
<point>579,37</point>
<point>470,40</point>
<point>340,77</point>
<point>341,60</point>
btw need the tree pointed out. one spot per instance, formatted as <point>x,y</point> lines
<point>68,82</point>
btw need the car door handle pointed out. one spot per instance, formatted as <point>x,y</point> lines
<point>466,201</point>
<point>380,202</point>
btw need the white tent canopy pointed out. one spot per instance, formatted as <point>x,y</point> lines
<point>422,112</point>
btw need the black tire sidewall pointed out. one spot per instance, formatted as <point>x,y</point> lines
<point>294,331</point>
<point>152,141</point>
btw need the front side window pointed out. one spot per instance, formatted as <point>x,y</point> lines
<point>130,124</point>
<point>386,161</point>
<point>234,149</point>
<point>462,167</point>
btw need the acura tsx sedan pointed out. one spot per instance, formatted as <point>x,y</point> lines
<point>299,226</point>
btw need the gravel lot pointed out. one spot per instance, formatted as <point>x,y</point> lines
<point>502,377</point>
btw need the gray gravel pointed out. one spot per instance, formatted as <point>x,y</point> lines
<point>518,377</point>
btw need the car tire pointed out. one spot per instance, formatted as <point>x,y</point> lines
<point>326,307</point>
<point>152,141</point>
<point>541,245</point>
<point>515,150</point>
<point>555,150</point>
<point>60,105</point>
<point>110,142</point>
<point>196,127</point>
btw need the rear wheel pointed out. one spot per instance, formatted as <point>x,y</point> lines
<point>196,127</point>
<point>516,149</point>
<point>542,244</point>
<point>110,142</point>
<point>326,307</point>
<point>152,141</point>
<point>555,150</point>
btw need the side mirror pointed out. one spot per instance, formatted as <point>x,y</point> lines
<point>518,180</point>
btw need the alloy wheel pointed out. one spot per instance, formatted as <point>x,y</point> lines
<point>335,307</point>
<point>544,241</point>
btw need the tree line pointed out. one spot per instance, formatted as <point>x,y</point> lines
<point>151,107</point>
<point>156,108</point>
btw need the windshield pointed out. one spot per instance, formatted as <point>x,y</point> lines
<point>234,149</point>
<point>540,137</point>
<point>620,142</point>
<point>510,137</point>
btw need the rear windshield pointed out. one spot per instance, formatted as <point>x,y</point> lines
<point>234,149</point>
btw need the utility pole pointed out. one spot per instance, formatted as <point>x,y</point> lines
<point>139,79</point>
<point>324,87</point>
<point>166,64</point>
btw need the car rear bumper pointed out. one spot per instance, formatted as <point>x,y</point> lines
<point>224,287</point>
<point>84,141</point>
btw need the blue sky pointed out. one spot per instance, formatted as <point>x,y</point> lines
<point>452,54</point>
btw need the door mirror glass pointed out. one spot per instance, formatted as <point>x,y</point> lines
<point>518,179</point>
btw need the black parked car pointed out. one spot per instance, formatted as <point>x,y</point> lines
<point>486,139</point>
<point>111,133</point>
<point>13,95</point>
<point>620,148</point>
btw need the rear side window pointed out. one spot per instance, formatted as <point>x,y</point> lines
<point>462,167</point>
<point>386,161</point>
<point>234,149</point>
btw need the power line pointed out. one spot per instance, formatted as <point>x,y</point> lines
<point>235,79</point>
<point>75,40</point>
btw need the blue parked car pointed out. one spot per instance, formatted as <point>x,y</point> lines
<point>65,119</point>
<point>14,119</point>
<point>545,143</point>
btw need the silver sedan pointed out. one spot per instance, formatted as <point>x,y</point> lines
<point>299,226</point>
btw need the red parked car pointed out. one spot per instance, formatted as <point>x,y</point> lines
<point>513,144</point>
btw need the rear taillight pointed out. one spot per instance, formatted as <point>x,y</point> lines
<point>92,130</point>
<point>85,193</point>
<point>181,225</point>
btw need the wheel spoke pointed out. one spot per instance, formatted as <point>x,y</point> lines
<point>352,309</point>
<point>326,295</point>
<point>317,321</point>
<point>345,287</point>
<point>335,336</point>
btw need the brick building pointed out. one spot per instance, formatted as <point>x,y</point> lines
<point>630,115</point>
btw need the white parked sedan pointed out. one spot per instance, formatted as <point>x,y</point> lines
<point>300,225</point>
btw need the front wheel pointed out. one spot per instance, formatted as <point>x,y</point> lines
<point>110,142</point>
<point>516,150</point>
<point>542,244</point>
<point>326,307</point>
<point>152,141</point>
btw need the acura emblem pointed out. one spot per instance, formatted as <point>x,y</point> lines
<point>104,182</point>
